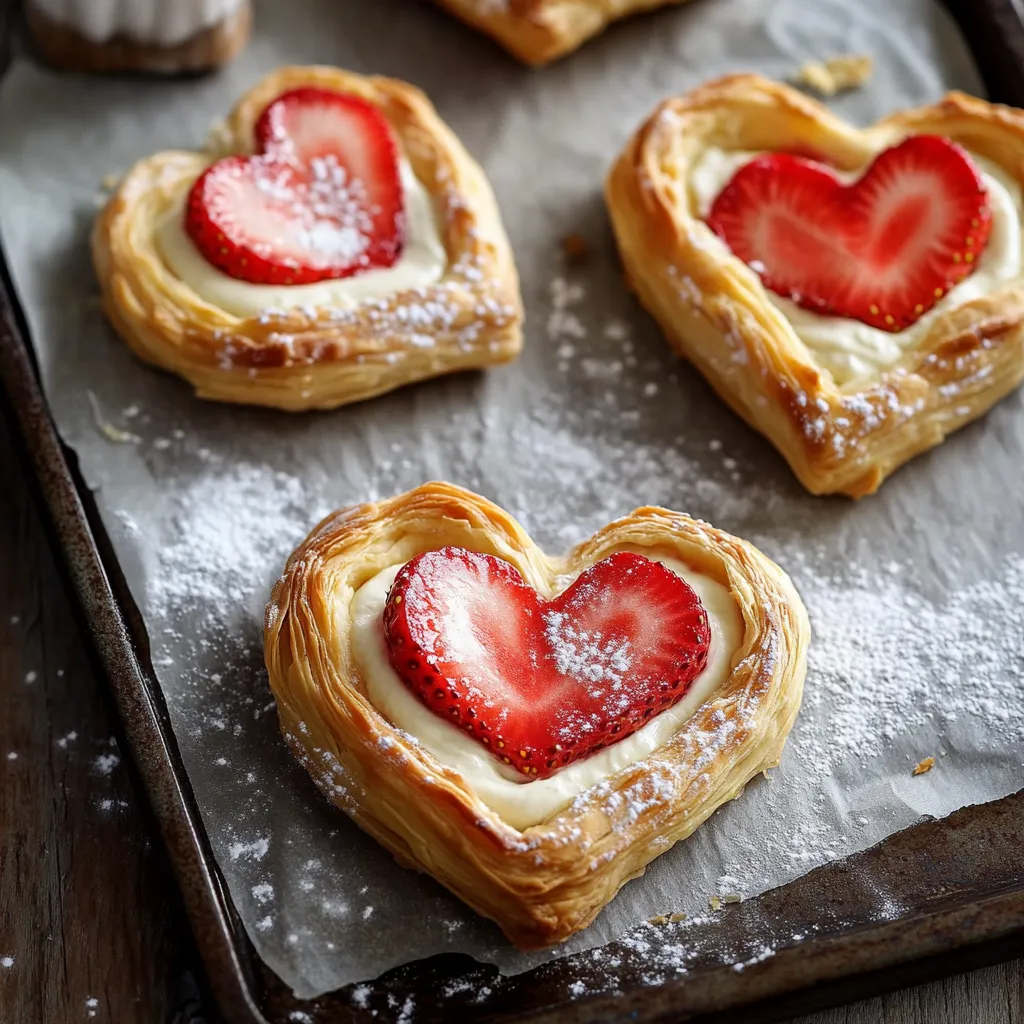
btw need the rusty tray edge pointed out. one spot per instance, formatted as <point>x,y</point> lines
<point>106,626</point>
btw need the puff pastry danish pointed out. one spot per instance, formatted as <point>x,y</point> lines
<point>539,855</point>
<point>450,302</point>
<point>539,31</point>
<point>845,402</point>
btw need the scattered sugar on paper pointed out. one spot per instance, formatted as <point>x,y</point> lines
<point>887,661</point>
<point>263,892</point>
<point>256,850</point>
<point>228,529</point>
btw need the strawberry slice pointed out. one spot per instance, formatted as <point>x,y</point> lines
<point>882,250</point>
<point>321,199</point>
<point>544,683</point>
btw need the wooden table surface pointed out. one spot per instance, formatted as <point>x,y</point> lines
<point>90,923</point>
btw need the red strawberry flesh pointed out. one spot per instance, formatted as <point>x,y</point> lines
<point>883,249</point>
<point>542,684</point>
<point>321,199</point>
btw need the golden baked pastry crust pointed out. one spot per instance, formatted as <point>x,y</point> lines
<point>316,359</point>
<point>545,883</point>
<point>539,31</point>
<point>715,312</point>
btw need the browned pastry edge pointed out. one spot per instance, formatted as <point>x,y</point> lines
<point>62,47</point>
<point>713,309</point>
<point>550,880</point>
<point>540,31</point>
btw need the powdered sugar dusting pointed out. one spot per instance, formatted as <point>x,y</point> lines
<point>228,530</point>
<point>889,660</point>
<point>587,656</point>
<point>104,764</point>
<point>257,849</point>
<point>321,219</point>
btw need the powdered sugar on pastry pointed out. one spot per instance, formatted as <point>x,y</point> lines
<point>854,351</point>
<point>521,803</point>
<point>422,263</point>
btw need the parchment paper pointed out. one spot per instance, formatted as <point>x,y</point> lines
<point>915,594</point>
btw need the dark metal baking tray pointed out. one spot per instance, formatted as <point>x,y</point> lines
<point>959,882</point>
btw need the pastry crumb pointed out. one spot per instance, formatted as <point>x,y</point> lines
<point>575,248</point>
<point>836,74</point>
<point>715,903</point>
<point>107,429</point>
<point>923,766</point>
<point>658,919</point>
<point>676,917</point>
<point>732,897</point>
<point>110,181</point>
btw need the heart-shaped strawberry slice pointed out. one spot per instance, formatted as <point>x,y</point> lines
<point>882,250</point>
<point>321,199</point>
<point>544,683</point>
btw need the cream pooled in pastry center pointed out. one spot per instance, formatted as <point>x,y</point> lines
<point>523,803</point>
<point>851,350</point>
<point>422,263</point>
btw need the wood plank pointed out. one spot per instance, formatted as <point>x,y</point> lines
<point>994,995</point>
<point>90,928</point>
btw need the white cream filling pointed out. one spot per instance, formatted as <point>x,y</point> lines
<point>159,22</point>
<point>851,350</point>
<point>422,263</point>
<point>518,802</point>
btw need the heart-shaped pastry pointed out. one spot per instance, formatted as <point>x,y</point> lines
<point>855,295</point>
<point>334,242</point>
<point>688,640</point>
<point>538,31</point>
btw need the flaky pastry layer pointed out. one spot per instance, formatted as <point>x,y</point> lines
<point>318,358</point>
<point>545,883</point>
<point>539,31</point>
<point>714,310</point>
